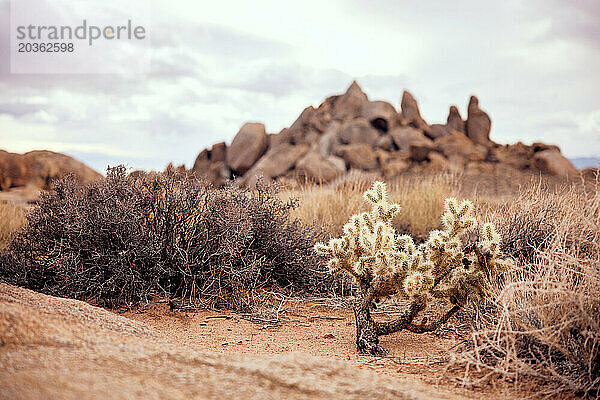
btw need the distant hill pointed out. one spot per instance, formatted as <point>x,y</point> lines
<point>585,162</point>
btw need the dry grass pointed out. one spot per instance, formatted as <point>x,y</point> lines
<point>545,321</point>
<point>421,197</point>
<point>12,217</point>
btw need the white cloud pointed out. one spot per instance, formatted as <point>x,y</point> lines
<point>216,65</point>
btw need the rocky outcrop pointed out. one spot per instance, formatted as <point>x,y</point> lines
<point>411,113</point>
<point>381,115</point>
<point>552,162</point>
<point>456,144</point>
<point>13,170</point>
<point>360,156</point>
<point>247,147</point>
<point>438,130</point>
<point>314,167</point>
<point>413,141</point>
<point>350,104</point>
<point>478,124</point>
<point>358,130</point>
<point>39,168</point>
<point>212,166</point>
<point>454,120</point>
<point>351,132</point>
<point>276,162</point>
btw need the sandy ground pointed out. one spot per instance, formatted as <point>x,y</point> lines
<point>416,360</point>
<point>52,348</point>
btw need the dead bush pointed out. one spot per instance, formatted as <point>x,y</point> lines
<point>545,321</point>
<point>123,239</point>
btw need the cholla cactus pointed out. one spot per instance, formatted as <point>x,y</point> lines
<point>384,263</point>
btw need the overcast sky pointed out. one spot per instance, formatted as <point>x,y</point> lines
<point>534,64</point>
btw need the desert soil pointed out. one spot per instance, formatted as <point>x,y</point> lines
<point>52,348</point>
<point>416,361</point>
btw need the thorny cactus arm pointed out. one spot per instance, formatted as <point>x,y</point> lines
<point>384,263</point>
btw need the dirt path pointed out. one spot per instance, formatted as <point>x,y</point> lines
<point>317,330</point>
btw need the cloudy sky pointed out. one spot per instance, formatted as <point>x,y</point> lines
<point>534,64</point>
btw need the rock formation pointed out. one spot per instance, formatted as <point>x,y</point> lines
<point>247,147</point>
<point>479,123</point>
<point>350,132</point>
<point>454,120</point>
<point>38,168</point>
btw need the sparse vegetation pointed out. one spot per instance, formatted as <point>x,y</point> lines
<point>120,240</point>
<point>384,264</point>
<point>12,217</point>
<point>421,198</point>
<point>544,321</point>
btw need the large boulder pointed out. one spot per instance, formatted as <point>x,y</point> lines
<point>360,156</point>
<point>358,130</point>
<point>247,147</point>
<point>311,118</point>
<point>552,162</point>
<point>211,165</point>
<point>478,124</point>
<point>44,166</point>
<point>276,162</point>
<point>454,120</point>
<point>385,142</point>
<point>413,141</point>
<point>13,171</point>
<point>411,113</point>
<point>348,105</point>
<point>217,173</point>
<point>218,152</point>
<point>537,146</point>
<point>39,168</point>
<point>457,144</point>
<point>380,114</point>
<point>437,162</point>
<point>202,161</point>
<point>329,140</point>
<point>316,168</point>
<point>438,130</point>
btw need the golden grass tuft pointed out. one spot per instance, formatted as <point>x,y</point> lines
<point>12,217</point>
<point>421,197</point>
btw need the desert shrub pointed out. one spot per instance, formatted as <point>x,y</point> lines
<point>384,264</point>
<point>12,217</point>
<point>120,240</point>
<point>544,322</point>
